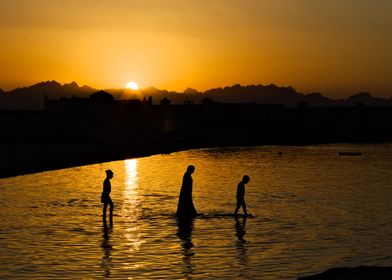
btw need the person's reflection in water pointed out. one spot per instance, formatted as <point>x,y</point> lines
<point>106,245</point>
<point>240,231</point>
<point>185,228</point>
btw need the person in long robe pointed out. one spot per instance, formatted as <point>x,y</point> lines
<point>185,208</point>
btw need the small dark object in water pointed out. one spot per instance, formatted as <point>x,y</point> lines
<point>351,154</point>
<point>356,273</point>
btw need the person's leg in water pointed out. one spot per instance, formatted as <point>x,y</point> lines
<point>239,202</point>
<point>244,207</point>
<point>111,209</point>
<point>105,206</point>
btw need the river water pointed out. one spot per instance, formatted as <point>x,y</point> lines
<point>311,210</point>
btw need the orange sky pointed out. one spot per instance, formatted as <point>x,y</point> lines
<point>337,47</point>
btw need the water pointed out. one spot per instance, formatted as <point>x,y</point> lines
<point>313,210</point>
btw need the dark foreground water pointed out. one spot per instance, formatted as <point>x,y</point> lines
<point>313,210</point>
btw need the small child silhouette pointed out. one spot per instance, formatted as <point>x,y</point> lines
<point>241,195</point>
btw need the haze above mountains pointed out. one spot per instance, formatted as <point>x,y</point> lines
<point>32,97</point>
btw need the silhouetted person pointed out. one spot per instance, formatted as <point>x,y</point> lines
<point>241,195</point>
<point>185,208</point>
<point>105,196</point>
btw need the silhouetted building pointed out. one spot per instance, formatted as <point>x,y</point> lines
<point>165,101</point>
<point>360,105</point>
<point>207,101</point>
<point>98,102</point>
<point>303,104</point>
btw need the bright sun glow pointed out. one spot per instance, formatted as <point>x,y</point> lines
<point>132,85</point>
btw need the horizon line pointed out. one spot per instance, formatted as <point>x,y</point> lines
<point>192,88</point>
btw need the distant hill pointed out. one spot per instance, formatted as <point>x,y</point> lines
<point>368,99</point>
<point>32,98</point>
<point>262,94</point>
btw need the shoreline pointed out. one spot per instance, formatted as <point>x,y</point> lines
<point>41,141</point>
<point>91,158</point>
<point>95,157</point>
<point>82,158</point>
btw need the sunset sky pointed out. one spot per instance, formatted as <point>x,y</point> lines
<point>336,47</point>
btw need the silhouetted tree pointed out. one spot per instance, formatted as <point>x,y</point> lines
<point>101,97</point>
<point>207,101</point>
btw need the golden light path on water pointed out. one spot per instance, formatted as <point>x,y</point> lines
<point>131,208</point>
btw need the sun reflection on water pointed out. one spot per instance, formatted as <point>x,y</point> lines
<point>131,209</point>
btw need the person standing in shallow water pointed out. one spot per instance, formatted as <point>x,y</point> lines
<point>105,196</point>
<point>185,208</point>
<point>241,195</point>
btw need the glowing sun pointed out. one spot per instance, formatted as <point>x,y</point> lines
<point>132,85</point>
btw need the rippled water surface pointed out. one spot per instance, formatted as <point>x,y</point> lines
<point>312,209</point>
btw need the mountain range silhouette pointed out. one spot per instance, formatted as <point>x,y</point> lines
<point>32,97</point>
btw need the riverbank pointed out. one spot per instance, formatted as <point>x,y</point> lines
<point>41,141</point>
<point>33,157</point>
<point>28,158</point>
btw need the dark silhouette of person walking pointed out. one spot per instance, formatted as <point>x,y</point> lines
<point>105,196</point>
<point>185,208</point>
<point>241,195</point>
